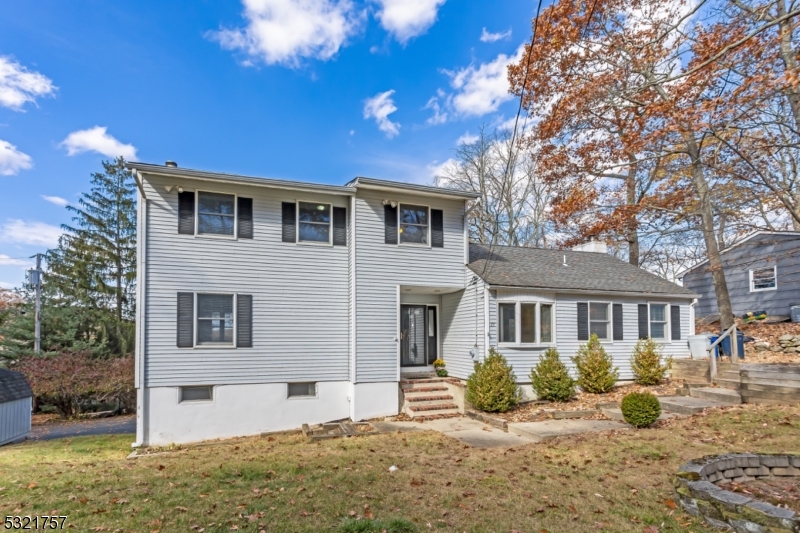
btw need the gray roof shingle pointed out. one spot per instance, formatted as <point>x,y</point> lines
<point>586,271</point>
<point>13,386</point>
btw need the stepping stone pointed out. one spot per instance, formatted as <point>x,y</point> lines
<point>550,429</point>
<point>614,413</point>
<point>476,433</point>
<point>729,396</point>
<point>688,405</point>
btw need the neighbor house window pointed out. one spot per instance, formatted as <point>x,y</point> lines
<point>216,213</point>
<point>314,221</point>
<point>658,321</point>
<point>530,322</point>
<point>196,394</point>
<point>302,390</point>
<point>763,279</point>
<point>215,319</point>
<point>599,319</point>
<point>413,224</point>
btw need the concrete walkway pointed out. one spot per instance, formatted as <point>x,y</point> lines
<point>551,429</point>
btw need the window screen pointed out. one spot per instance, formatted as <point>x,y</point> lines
<point>215,213</point>
<point>658,321</point>
<point>302,389</point>
<point>546,329</point>
<point>508,325</point>
<point>196,394</point>
<point>598,320</point>
<point>763,279</point>
<point>215,319</point>
<point>528,323</point>
<point>315,222</point>
<point>413,224</point>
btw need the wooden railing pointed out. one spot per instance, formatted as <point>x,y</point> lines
<point>712,360</point>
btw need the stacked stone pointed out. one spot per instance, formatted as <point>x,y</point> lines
<point>786,344</point>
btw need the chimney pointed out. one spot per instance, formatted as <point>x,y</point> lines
<point>172,164</point>
<point>592,246</point>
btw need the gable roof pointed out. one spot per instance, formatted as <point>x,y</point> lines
<point>539,268</point>
<point>13,386</point>
<point>743,241</point>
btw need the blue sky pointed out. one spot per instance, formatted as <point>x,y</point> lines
<point>313,90</point>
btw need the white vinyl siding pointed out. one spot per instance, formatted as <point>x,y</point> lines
<point>462,327</point>
<point>297,290</point>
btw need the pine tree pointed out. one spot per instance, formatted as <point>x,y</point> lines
<point>94,265</point>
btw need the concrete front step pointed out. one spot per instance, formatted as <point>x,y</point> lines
<point>688,405</point>
<point>444,399</point>
<point>421,390</point>
<point>427,397</point>
<point>728,396</point>
<point>615,413</point>
<point>417,375</point>
<point>729,384</point>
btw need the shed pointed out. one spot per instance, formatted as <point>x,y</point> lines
<point>16,402</point>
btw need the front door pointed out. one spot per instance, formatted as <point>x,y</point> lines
<point>418,339</point>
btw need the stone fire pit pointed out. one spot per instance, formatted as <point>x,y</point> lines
<point>700,496</point>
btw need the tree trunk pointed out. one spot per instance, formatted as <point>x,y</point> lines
<point>789,58</point>
<point>707,226</point>
<point>632,233</point>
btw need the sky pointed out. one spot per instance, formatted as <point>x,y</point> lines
<point>311,90</point>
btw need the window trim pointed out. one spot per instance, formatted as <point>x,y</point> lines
<point>235,235</point>
<point>297,224</point>
<point>774,276</point>
<point>609,328</point>
<point>232,345</point>
<point>667,324</point>
<point>518,323</point>
<point>195,402</point>
<point>303,397</point>
<point>400,226</point>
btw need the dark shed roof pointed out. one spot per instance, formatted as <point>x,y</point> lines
<point>539,268</point>
<point>13,386</point>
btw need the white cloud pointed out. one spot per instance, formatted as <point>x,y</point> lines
<point>406,19</point>
<point>13,261</point>
<point>439,115</point>
<point>18,85</point>
<point>380,107</point>
<point>30,232</point>
<point>286,31</point>
<point>56,200</point>
<point>7,285</point>
<point>488,37</point>
<point>437,169</point>
<point>97,140</point>
<point>467,138</point>
<point>12,160</point>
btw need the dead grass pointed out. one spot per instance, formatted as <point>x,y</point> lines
<point>617,482</point>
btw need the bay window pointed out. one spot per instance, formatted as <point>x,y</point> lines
<point>523,323</point>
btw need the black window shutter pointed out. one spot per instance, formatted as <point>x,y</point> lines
<point>583,321</point>
<point>289,214</point>
<point>618,322</point>
<point>245,213</point>
<point>644,326</point>
<point>437,228</point>
<point>185,320</point>
<point>340,226</point>
<point>186,213</point>
<point>675,311</point>
<point>390,224</point>
<point>244,321</point>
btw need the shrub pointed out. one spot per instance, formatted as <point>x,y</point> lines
<point>640,409</point>
<point>550,378</point>
<point>646,363</point>
<point>492,386</point>
<point>595,371</point>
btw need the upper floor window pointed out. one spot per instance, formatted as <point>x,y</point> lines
<point>600,320</point>
<point>216,213</point>
<point>763,279</point>
<point>414,222</point>
<point>314,220</point>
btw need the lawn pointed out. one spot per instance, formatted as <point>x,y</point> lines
<point>618,482</point>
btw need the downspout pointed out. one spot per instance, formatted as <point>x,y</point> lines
<point>141,281</point>
<point>691,317</point>
<point>467,211</point>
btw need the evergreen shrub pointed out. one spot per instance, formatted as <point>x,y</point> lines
<point>596,373</point>
<point>492,387</point>
<point>550,378</point>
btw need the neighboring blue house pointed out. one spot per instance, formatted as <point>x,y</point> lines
<point>264,304</point>
<point>762,272</point>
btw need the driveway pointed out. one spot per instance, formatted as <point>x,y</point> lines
<point>80,428</point>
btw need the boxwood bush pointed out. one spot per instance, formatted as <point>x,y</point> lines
<point>492,387</point>
<point>550,378</point>
<point>640,409</point>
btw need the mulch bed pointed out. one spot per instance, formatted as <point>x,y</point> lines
<point>537,411</point>
<point>779,491</point>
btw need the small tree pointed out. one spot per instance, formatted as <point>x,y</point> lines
<point>492,386</point>
<point>646,363</point>
<point>596,373</point>
<point>550,378</point>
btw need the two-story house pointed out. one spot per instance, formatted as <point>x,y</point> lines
<point>263,304</point>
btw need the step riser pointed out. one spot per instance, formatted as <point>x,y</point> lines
<point>446,412</point>
<point>718,396</point>
<point>419,399</point>
<point>681,409</point>
<point>427,390</point>
<point>730,385</point>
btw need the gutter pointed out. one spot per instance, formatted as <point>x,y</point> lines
<point>600,292</point>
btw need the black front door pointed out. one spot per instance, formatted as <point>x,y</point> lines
<point>418,335</point>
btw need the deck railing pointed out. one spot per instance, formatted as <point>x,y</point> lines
<point>712,360</point>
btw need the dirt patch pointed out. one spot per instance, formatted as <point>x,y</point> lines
<point>537,411</point>
<point>761,332</point>
<point>48,418</point>
<point>780,492</point>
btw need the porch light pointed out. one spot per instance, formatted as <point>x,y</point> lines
<point>320,208</point>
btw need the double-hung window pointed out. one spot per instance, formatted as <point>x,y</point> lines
<point>525,322</point>
<point>216,213</point>
<point>314,222</point>
<point>215,319</point>
<point>659,322</point>
<point>414,222</point>
<point>600,320</point>
<point>763,279</point>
